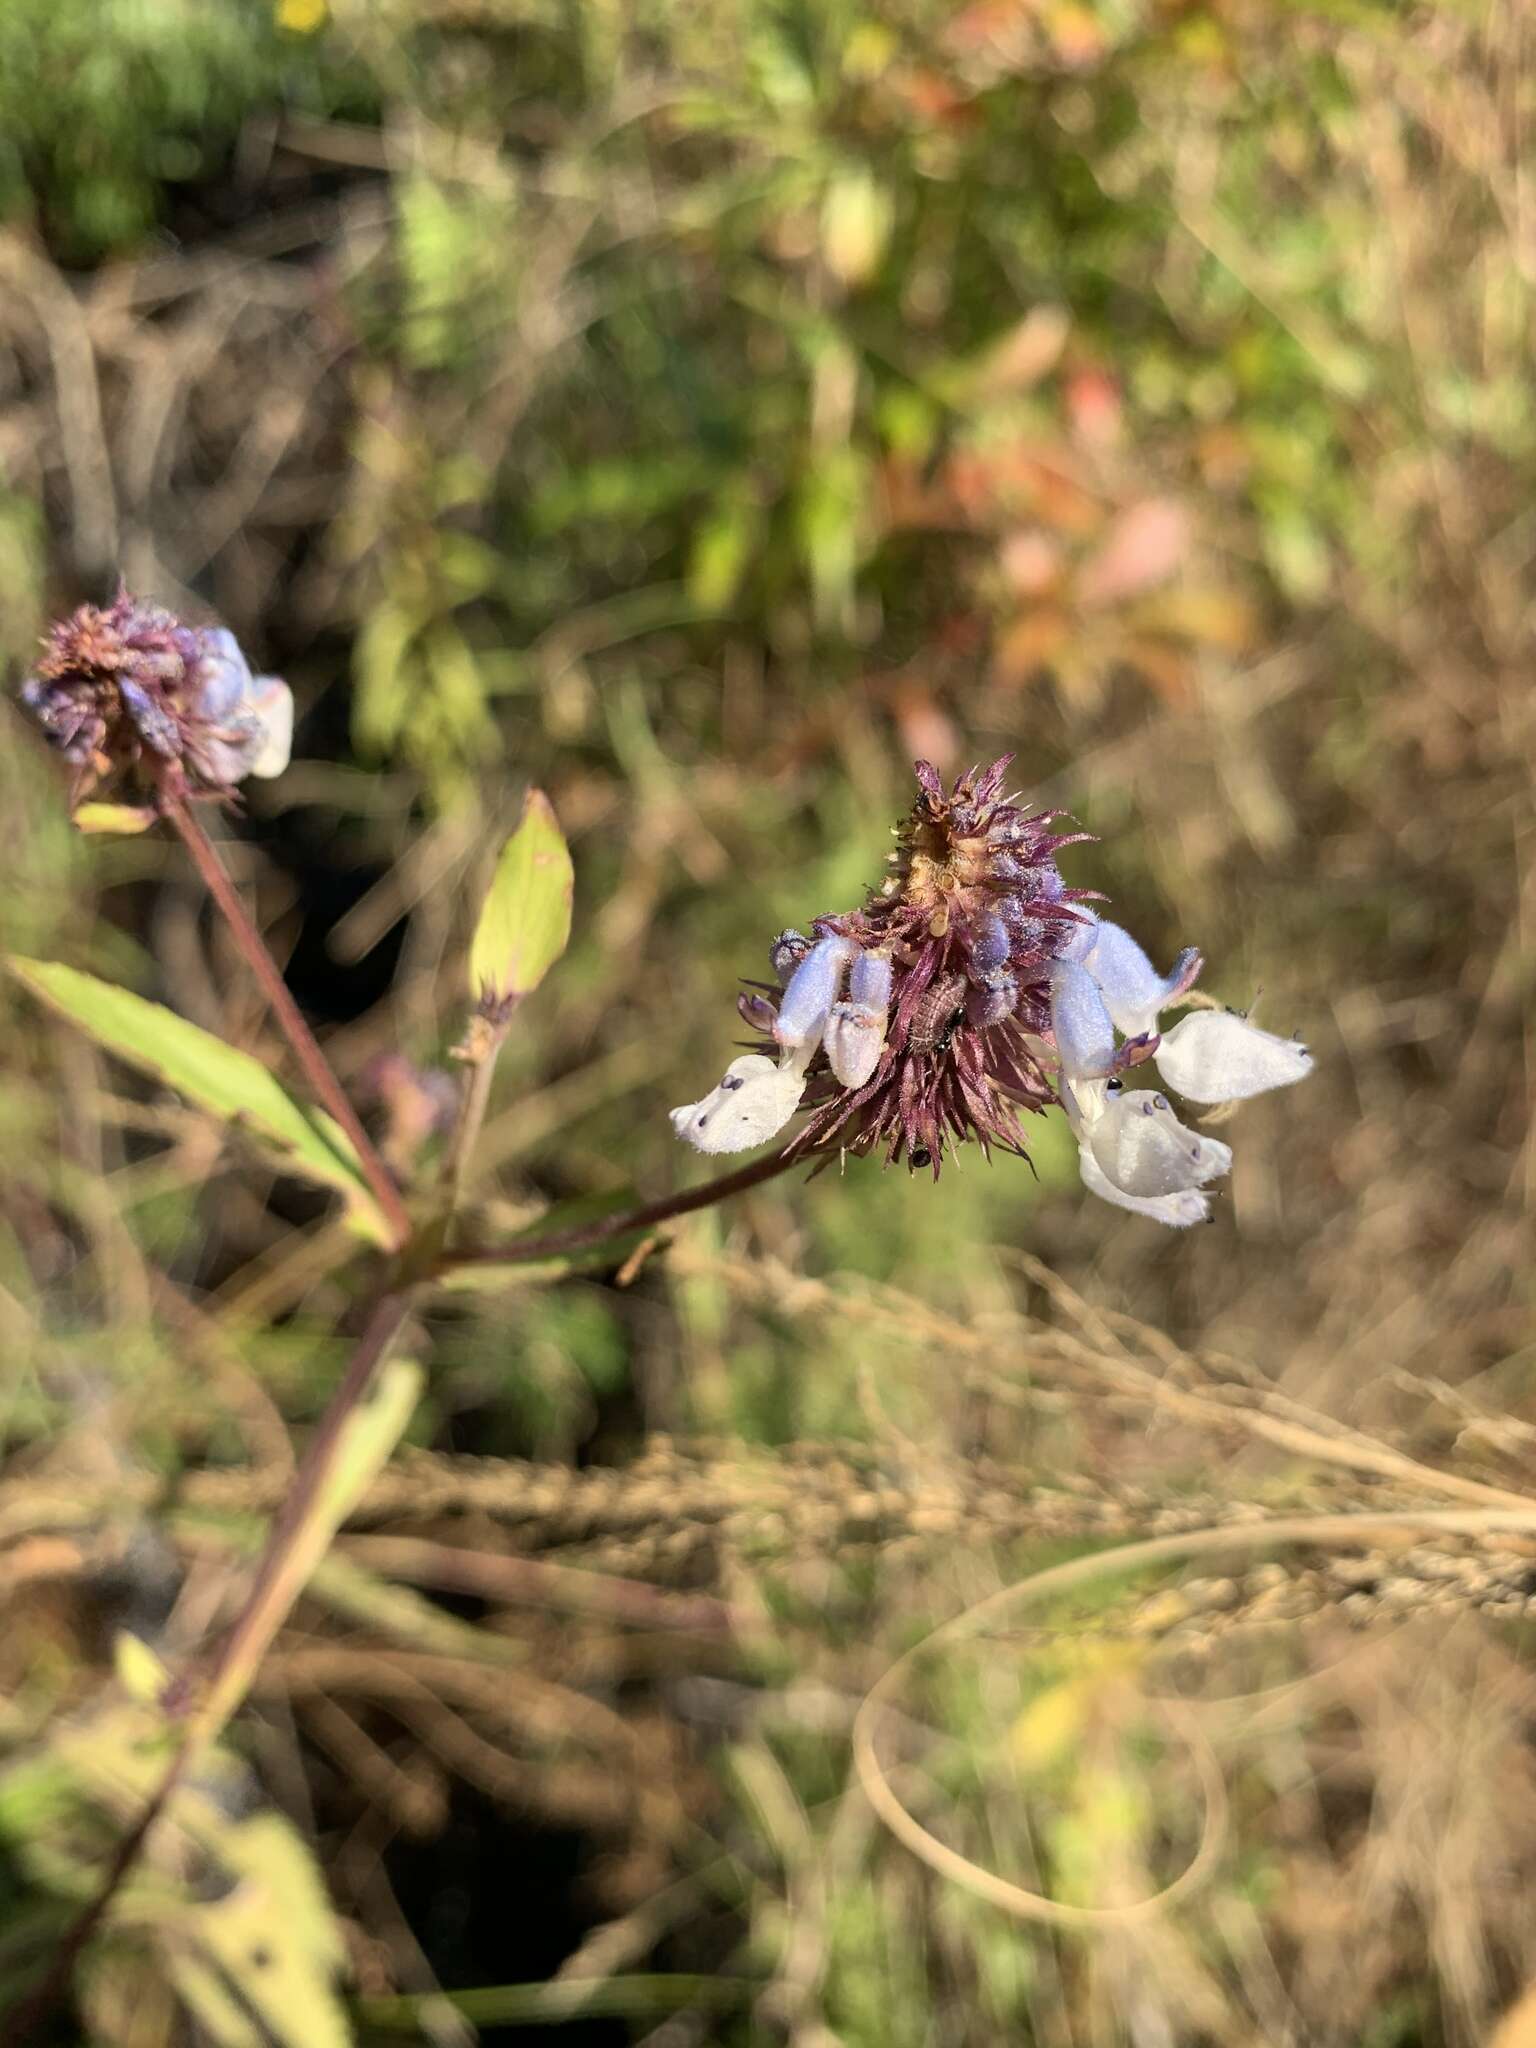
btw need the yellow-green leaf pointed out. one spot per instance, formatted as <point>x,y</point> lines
<point>526,919</point>
<point>229,1084</point>
<point>856,219</point>
<point>1053,1722</point>
<point>259,1964</point>
<point>115,817</point>
<point>139,1671</point>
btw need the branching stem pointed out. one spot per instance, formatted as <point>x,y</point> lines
<point>524,1251</point>
<point>200,1700</point>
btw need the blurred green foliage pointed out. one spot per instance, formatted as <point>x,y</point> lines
<point>109,107</point>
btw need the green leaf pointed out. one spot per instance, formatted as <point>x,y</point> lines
<point>229,1084</point>
<point>384,670</point>
<point>139,1671</point>
<point>526,919</point>
<point>721,551</point>
<point>856,219</point>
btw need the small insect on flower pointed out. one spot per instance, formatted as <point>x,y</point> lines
<point>936,1014</point>
<point>974,988</point>
<point>130,688</point>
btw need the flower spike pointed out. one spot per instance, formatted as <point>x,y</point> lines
<point>129,689</point>
<point>980,988</point>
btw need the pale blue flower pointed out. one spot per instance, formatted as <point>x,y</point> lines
<point>1132,1149</point>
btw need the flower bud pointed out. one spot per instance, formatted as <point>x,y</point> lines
<point>786,953</point>
<point>855,1038</point>
<point>524,924</point>
<point>1133,990</point>
<point>812,990</point>
<point>224,674</point>
<point>990,944</point>
<point>756,1012</point>
<point>869,981</point>
<point>992,1001</point>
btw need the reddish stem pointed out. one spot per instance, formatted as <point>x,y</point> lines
<point>317,1069</point>
<point>524,1250</point>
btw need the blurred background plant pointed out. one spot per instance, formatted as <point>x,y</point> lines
<point>699,411</point>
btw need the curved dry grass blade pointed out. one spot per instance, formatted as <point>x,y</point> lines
<point>1017,1899</point>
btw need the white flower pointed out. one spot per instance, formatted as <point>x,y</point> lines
<point>854,1038</point>
<point>1132,1149</point>
<point>757,1096</point>
<point>1081,1024</point>
<point>751,1103</point>
<point>244,722</point>
<point>271,703</point>
<point>1142,1149</point>
<point>1178,1211</point>
<point>1218,1056</point>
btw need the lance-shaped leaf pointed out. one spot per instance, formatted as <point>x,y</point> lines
<point>229,1084</point>
<point>526,919</point>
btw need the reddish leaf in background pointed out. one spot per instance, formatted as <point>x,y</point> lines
<point>1077,36</point>
<point>1028,351</point>
<point>1031,561</point>
<point>1144,547</point>
<point>929,97</point>
<point>980,25</point>
<point>1170,672</point>
<point>1094,409</point>
<point>960,633</point>
<point>927,732</point>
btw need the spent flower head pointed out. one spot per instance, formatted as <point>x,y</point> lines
<point>130,688</point>
<point>972,987</point>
